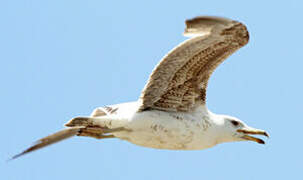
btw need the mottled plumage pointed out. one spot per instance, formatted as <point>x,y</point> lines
<point>179,81</point>
<point>171,112</point>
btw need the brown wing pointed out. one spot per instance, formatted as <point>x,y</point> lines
<point>179,81</point>
<point>51,139</point>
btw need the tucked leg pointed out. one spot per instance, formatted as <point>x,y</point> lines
<point>95,135</point>
<point>98,132</point>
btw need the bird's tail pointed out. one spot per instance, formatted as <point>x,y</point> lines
<point>80,122</point>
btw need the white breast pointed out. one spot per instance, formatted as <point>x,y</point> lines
<point>168,130</point>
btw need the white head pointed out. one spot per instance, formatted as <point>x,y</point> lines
<point>233,129</point>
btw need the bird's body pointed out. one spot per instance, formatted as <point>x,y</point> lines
<point>171,112</point>
<point>162,130</point>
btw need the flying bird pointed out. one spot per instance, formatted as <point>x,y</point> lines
<point>171,112</point>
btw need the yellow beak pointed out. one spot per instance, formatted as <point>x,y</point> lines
<point>247,131</point>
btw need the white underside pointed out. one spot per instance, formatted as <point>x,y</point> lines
<point>162,130</point>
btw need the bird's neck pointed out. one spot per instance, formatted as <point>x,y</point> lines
<point>218,129</point>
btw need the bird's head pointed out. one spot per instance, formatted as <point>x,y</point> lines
<point>236,130</point>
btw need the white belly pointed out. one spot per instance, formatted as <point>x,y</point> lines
<point>163,130</point>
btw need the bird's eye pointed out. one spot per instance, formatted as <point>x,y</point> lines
<point>235,123</point>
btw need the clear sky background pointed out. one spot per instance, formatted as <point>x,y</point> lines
<point>61,59</point>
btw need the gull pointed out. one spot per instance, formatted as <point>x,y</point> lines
<point>171,112</point>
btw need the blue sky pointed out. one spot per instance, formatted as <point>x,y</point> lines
<point>61,59</point>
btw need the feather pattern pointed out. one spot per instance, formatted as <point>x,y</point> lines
<point>179,81</point>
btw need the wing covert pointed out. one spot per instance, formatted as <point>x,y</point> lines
<point>179,81</point>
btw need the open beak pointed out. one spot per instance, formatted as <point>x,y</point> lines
<point>247,131</point>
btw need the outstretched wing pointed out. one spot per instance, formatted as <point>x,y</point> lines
<point>51,139</point>
<point>179,81</point>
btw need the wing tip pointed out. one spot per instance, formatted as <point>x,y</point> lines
<point>208,20</point>
<point>48,140</point>
<point>16,156</point>
<point>28,150</point>
<point>202,25</point>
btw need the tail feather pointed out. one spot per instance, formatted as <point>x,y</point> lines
<point>51,139</point>
<point>80,121</point>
